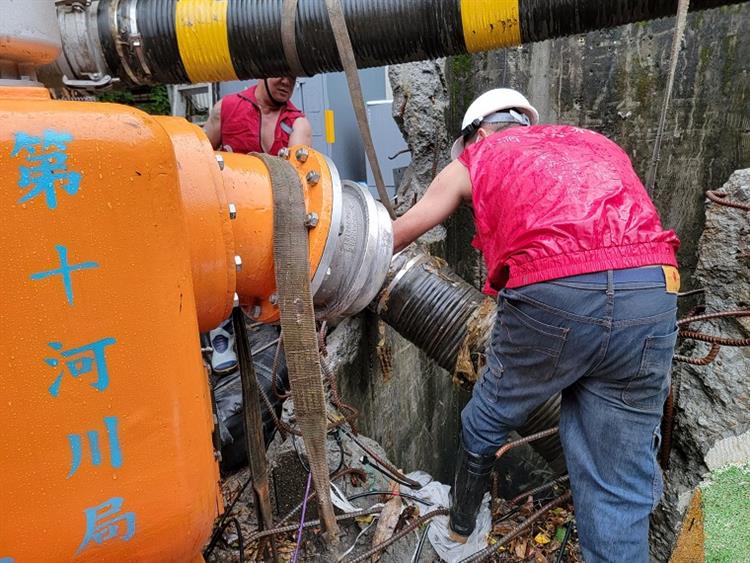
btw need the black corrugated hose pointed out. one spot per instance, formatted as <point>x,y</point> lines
<point>431,306</point>
<point>206,40</point>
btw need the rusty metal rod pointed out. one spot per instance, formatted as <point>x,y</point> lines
<point>311,523</point>
<point>736,313</point>
<point>722,198</point>
<point>712,339</point>
<point>539,489</point>
<point>667,428</point>
<point>526,440</point>
<point>704,361</point>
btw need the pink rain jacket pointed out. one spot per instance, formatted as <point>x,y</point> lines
<point>554,201</point>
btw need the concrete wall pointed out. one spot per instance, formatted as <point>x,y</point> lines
<point>407,403</point>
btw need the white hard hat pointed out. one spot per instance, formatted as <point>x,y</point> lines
<point>502,101</point>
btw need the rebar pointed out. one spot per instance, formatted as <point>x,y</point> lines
<point>712,339</point>
<point>505,448</point>
<point>736,313</point>
<point>349,413</point>
<point>704,361</point>
<point>667,428</point>
<point>715,340</point>
<point>540,489</point>
<point>722,198</point>
<point>311,523</point>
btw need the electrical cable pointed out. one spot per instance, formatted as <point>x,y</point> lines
<point>342,454</point>
<point>362,533</point>
<point>402,534</point>
<point>240,544</point>
<point>299,455</point>
<point>220,527</point>
<point>566,537</point>
<point>364,460</point>
<point>389,493</point>
<point>400,477</point>
<point>337,437</point>
<point>420,545</point>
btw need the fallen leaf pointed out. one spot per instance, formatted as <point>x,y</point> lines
<point>521,549</point>
<point>365,519</point>
<point>542,539</point>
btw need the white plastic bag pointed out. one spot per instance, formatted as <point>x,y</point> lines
<point>439,495</point>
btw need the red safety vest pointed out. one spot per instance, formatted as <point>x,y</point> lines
<point>554,201</point>
<point>241,119</point>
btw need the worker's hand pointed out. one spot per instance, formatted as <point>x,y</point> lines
<point>448,190</point>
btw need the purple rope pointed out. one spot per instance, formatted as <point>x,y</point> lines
<point>302,519</point>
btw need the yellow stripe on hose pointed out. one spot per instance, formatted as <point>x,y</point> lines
<point>202,39</point>
<point>490,24</point>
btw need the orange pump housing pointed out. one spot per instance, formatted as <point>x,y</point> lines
<point>119,240</point>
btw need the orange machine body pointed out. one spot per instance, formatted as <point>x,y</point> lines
<point>123,236</point>
<point>207,213</point>
<point>248,185</point>
<point>106,448</point>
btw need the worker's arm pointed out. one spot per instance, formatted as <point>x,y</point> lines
<point>451,187</point>
<point>301,132</point>
<point>212,128</point>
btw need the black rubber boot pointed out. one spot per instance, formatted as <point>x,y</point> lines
<point>469,485</point>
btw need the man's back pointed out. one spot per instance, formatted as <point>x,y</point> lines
<point>554,201</point>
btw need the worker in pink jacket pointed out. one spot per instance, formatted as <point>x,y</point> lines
<point>586,281</point>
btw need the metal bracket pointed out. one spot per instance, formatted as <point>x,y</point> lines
<point>96,81</point>
<point>80,5</point>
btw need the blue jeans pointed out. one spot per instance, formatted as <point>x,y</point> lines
<point>605,341</point>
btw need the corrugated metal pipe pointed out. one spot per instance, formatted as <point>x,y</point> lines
<point>168,41</point>
<point>451,321</point>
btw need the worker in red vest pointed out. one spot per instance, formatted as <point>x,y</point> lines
<point>259,119</point>
<point>587,286</point>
